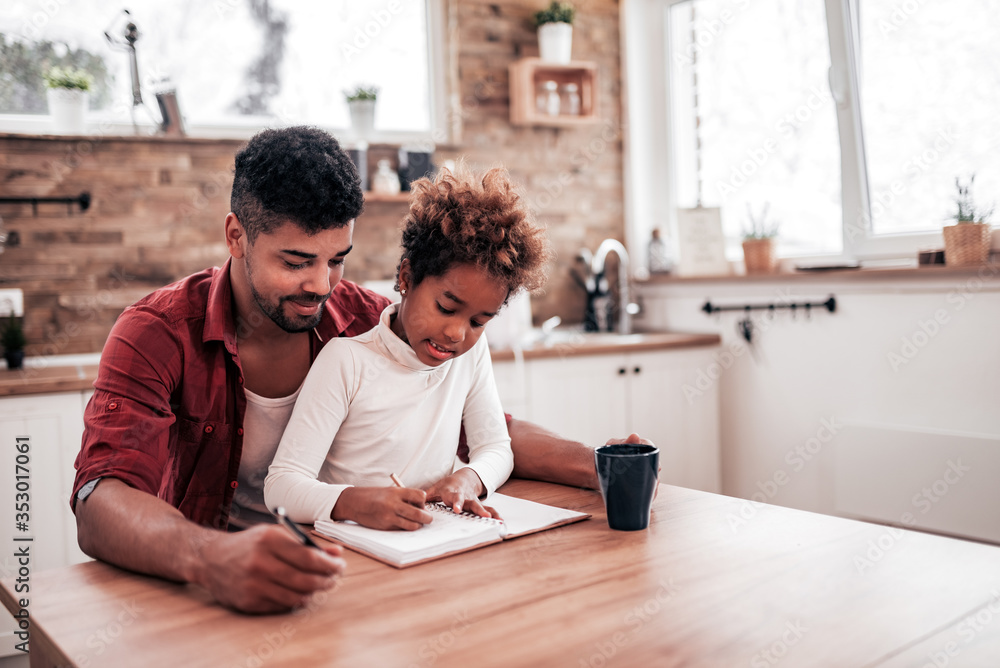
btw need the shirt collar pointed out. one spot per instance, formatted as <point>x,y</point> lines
<point>219,325</point>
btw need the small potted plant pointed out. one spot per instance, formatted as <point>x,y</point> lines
<point>13,340</point>
<point>68,91</point>
<point>361,102</point>
<point>555,32</point>
<point>967,242</point>
<point>758,242</point>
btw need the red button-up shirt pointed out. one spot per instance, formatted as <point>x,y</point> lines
<point>167,413</point>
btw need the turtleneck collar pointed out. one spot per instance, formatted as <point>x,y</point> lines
<point>398,350</point>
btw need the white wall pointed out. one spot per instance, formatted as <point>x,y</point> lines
<point>850,367</point>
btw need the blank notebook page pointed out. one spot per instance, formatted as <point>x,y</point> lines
<point>522,517</point>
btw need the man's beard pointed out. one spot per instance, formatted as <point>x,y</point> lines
<point>276,312</point>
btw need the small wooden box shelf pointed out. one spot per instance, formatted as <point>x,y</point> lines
<point>529,74</point>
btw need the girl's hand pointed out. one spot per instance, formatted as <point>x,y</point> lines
<point>383,507</point>
<point>460,491</point>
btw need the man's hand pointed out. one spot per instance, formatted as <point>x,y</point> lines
<point>635,439</point>
<point>260,570</point>
<point>383,507</point>
<point>460,491</point>
<point>264,569</point>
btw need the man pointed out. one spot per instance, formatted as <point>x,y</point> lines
<point>197,382</point>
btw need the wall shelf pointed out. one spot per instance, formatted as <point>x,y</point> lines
<point>528,74</point>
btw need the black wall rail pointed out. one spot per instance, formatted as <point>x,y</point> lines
<point>83,200</point>
<point>830,305</point>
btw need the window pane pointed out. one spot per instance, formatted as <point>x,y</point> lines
<point>288,60</point>
<point>930,108</point>
<point>768,125</point>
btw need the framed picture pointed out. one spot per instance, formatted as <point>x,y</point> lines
<point>701,248</point>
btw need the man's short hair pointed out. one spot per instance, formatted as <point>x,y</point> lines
<point>299,174</point>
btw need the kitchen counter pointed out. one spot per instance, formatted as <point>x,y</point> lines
<point>39,380</point>
<point>568,344</point>
<point>57,377</point>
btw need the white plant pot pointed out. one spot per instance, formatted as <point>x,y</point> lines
<point>68,108</point>
<point>555,42</point>
<point>362,117</point>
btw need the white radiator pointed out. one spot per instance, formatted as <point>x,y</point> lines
<point>945,482</point>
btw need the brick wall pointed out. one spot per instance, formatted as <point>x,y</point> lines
<point>159,204</point>
<point>573,177</point>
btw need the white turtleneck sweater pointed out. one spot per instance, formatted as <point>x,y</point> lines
<point>369,407</point>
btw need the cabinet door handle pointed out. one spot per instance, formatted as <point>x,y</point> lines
<point>638,369</point>
<point>622,371</point>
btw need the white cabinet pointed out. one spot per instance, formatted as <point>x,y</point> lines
<point>510,380</point>
<point>591,398</point>
<point>52,426</point>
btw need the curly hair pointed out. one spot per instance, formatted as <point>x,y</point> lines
<point>461,218</point>
<point>299,174</point>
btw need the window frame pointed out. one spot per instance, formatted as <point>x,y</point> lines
<point>442,129</point>
<point>649,158</point>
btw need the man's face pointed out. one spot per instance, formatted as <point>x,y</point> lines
<point>291,273</point>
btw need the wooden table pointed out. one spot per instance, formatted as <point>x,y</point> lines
<point>714,581</point>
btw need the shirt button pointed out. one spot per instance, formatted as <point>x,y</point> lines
<point>209,429</point>
<point>113,405</point>
<point>234,484</point>
<point>240,431</point>
<point>241,380</point>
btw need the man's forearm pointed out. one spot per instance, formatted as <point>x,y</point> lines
<point>541,455</point>
<point>137,531</point>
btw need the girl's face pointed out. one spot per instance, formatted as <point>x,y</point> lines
<point>443,316</point>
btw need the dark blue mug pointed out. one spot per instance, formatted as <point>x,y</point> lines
<point>628,476</point>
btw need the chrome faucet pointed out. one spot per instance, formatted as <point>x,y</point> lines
<point>625,308</point>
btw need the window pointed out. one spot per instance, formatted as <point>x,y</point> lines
<point>930,96</point>
<point>764,119</point>
<point>852,118</point>
<point>236,64</point>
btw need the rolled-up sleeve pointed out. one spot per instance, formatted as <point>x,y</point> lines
<point>128,421</point>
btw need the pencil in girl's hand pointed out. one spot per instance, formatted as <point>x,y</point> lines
<point>396,481</point>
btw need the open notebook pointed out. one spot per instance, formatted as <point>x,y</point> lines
<point>449,533</point>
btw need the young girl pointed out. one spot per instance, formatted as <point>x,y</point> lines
<point>393,400</point>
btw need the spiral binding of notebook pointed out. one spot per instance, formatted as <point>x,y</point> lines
<point>441,507</point>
